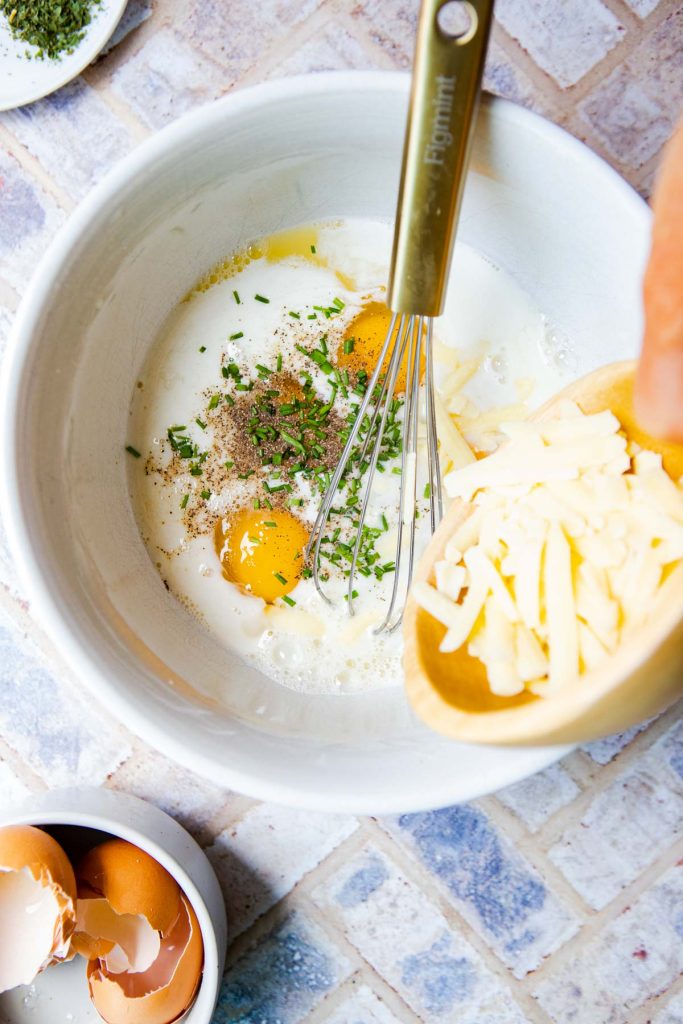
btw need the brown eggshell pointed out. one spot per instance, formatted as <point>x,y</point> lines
<point>113,995</point>
<point>23,846</point>
<point>89,947</point>
<point>26,847</point>
<point>132,882</point>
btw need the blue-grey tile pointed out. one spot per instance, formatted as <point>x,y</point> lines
<point>63,738</point>
<point>283,978</point>
<point>398,929</point>
<point>605,750</point>
<point>359,886</point>
<point>136,12</point>
<point>442,980</point>
<point>489,882</point>
<point>73,134</point>
<point>28,220</point>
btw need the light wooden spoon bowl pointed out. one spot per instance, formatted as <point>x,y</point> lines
<point>450,692</point>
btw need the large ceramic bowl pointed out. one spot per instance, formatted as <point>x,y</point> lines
<point>538,204</point>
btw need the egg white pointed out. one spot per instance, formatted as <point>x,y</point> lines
<point>315,647</point>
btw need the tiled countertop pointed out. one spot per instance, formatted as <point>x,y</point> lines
<point>559,899</point>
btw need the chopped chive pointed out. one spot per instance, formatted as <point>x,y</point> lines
<point>234,337</point>
<point>297,316</point>
<point>196,470</point>
<point>311,316</point>
<point>229,464</point>
<point>263,369</point>
<point>296,502</point>
<point>214,401</point>
<point>257,504</point>
<point>278,364</point>
<point>427,490</point>
<point>200,423</point>
<point>237,298</point>
<point>288,600</point>
<point>348,346</point>
<point>202,348</point>
<point>132,451</point>
<point>280,578</point>
<point>229,400</point>
<point>271,525</point>
<point>183,503</point>
<point>254,540</point>
<point>313,250</point>
<point>206,495</point>
<point>261,298</point>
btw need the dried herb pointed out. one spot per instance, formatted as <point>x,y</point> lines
<point>54,27</point>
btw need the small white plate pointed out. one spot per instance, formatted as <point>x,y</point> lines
<point>24,79</point>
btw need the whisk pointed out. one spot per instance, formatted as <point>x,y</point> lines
<point>449,59</point>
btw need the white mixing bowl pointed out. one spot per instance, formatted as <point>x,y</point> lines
<point>538,204</point>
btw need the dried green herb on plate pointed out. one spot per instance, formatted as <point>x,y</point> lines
<point>55,27</point>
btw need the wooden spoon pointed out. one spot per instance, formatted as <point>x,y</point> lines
<point>450,691</point>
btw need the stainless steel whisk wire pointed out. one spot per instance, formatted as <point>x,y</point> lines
<point>446,81</point>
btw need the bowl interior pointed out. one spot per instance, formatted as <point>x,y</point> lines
<point>537,204</point>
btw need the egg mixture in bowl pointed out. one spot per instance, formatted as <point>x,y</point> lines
<point>158,576</point>
<point>241,413</point>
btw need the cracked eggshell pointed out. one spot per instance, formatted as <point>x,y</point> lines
<point>35,873</point>
<point>163,993</point>
<point>140,935</point>
<point>131,881</point>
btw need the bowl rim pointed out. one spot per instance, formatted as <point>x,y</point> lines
<point>50,613</point>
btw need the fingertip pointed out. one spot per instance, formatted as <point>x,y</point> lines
<point>659,395</point>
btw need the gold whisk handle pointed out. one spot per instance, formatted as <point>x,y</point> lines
<point>446,83</point>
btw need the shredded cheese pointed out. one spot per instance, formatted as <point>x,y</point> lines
<point>571,536</point>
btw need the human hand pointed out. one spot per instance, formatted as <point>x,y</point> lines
<point>659,381</point>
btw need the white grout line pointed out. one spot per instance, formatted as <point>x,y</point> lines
<point>10,144</point>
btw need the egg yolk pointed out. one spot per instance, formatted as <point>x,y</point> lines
<point>367,331</point>
<point>262,551</point>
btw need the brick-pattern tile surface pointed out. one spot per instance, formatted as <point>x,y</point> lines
<point>536,799</point>
<point>565,39</point>
<point>671,1013</point>
<point>284,976</point>
<point>638,955</point>
<point>29,218</point>
<point>495,889</point>
<point>634,110</point>
<point>260,858</point>
<point>628,824</point>
<point>363,1007</point>
<point>404,937</point>
<point>559,900</point>
<point>73,134</point>
<point>63,739</point>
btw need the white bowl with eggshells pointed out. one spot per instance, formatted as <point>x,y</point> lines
<point>80,819</point>
<point>545,287</point>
